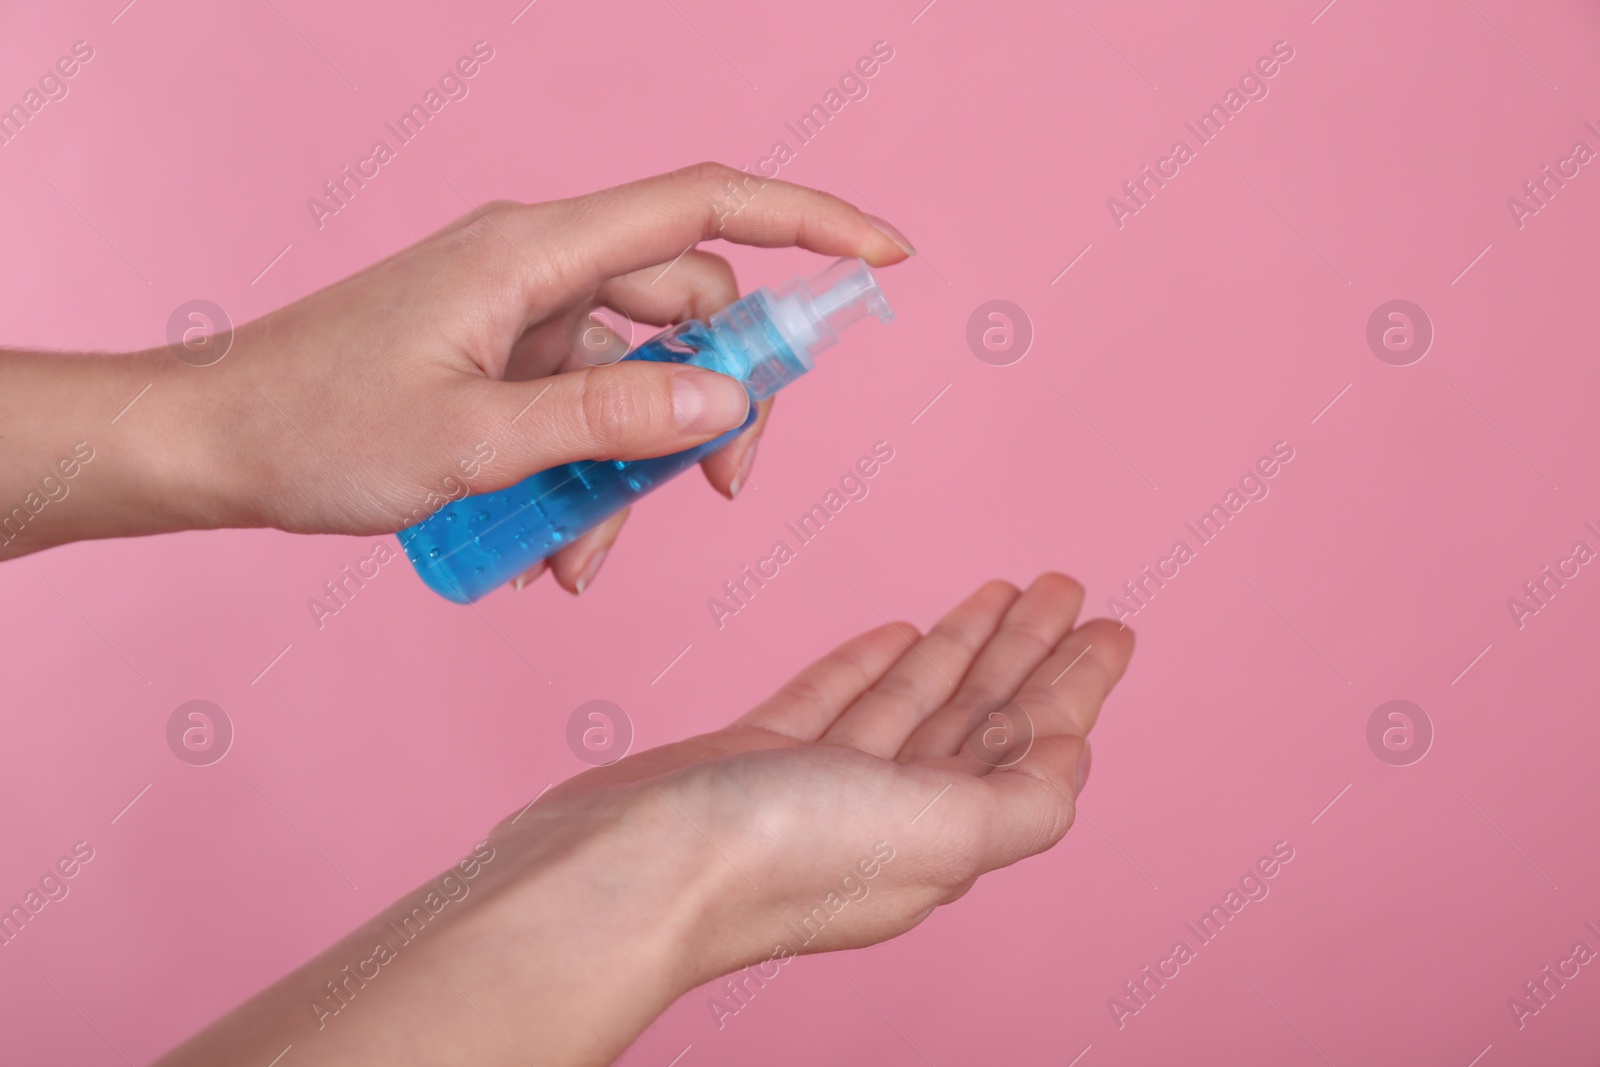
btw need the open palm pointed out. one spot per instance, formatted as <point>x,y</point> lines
<point>877,784</point>
<point>956,752</point>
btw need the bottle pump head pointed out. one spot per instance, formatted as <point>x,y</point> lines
<point>810,312</point>
<point>769,338</point>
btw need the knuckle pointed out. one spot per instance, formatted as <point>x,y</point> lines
<point>956,864</point>
<point>807,693</point>
<point>724,283</point>
<point>609,409</point>
<point>975,695</point>
<point>959,636</point>
<point>855,660</point>
<point>708,173</point>
<point>716,274</point>
<point>483,236</point>
<point>899,688</point>
<point>1034,632</point>
<point>719,266</point>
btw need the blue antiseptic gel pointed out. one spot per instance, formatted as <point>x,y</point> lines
<point>766,340</point>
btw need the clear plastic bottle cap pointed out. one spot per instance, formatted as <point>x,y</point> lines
<point>810,312</point>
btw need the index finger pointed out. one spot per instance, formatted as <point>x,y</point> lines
<point>633,226</point>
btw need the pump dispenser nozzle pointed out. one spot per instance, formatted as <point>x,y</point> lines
<point>769,338</point>
<point>810,312</point>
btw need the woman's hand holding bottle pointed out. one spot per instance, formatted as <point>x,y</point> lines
<point>363,407</point>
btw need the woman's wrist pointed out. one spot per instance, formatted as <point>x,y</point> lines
<point>583,936</point>
<point>557,940</point>
<point>79,463</point>
<point>102,445</point>
<point>637,883</point>
<point>176,448</point>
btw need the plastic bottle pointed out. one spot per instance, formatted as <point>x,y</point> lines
<point>767,339</point>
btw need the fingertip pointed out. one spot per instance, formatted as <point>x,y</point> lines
<point>727,469</point>
<point>742,467</point>
<point>1056,581</point>
<point>576,566</point>
<point>521,581</point>
<point>905,631</point>
<point>1080,777</point>
<point>708,403</point>
<point>898,249</point>
<point>999,587</point>
<point>590,570</point>
<point>1123,631</point>
<point>1115,638</point>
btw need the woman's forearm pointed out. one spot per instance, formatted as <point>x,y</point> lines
<point>107,446</point>
<point>534,948</point>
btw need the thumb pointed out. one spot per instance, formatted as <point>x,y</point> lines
<point>632,409</point>
<point>1035,799</point>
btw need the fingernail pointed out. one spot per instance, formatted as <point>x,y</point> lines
<point>749,461</point>
<point>591,570</point>
<point>1080,777</point>
<point>707,402</point>
<point>889,231</point>
<point>521,581</point>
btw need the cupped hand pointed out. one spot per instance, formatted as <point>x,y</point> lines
<point>878,784</point>
<point>469,360</point>
<point>926,761</point>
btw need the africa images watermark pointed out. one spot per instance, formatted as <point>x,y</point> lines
<point>852,485</point>
<point>1252,85</point>
<point>853,888</point>
<point>453,86</point>
<point>401,929</point>
<point>1541,190</point>
<point>53,888</point>
<point>1540,991</point>
<point>339,591</point>
<point>452,488</point>
<point>1537,592</point>
<point>51,87</point>
<point>1137,993</point>
<point>54,489</point>
<point>852,86</point>
<point>1252,486</point>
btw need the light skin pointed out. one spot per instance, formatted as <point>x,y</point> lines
<point>623,888</point>
<point>352,410</point>
<point>585,914</point>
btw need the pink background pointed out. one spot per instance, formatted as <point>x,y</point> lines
<point>1220,319</point>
